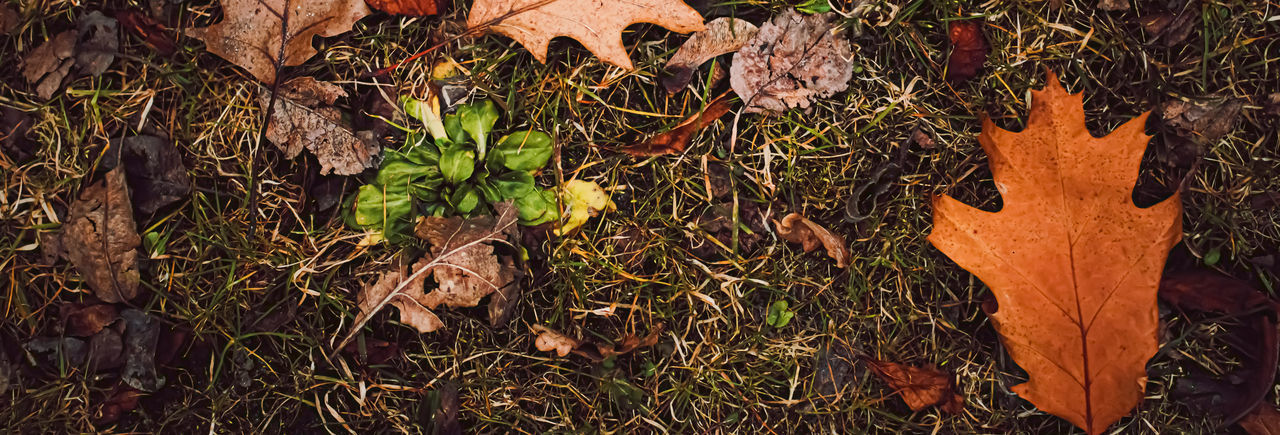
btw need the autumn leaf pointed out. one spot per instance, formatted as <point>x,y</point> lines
<point>596,24</point>
<point>1073,263</point>
<point>791,61</point>
<point>47,66</point>
<point>250,33</point>
<point>677,139</point>
<point>101,239</point>
<point>1263,421</point>
<point>414,8</point>
<point>919,387</point>
<point>304,117</point>
<point>968,50</point>
<point>723,35</point>
<point>551,340</point>
<point>795,228</point>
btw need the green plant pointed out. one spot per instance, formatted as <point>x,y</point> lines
<point>456,172</point>
<point>779,314</point>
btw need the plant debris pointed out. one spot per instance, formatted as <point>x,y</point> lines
<point>919,387</point>
<point>304,117</point>
<point>154,168</point>
<point>795,228</point>
<point>675,141</point>
<point>47,66</point>
<point>1203,123</point>
<point>968,50</point>
<point>791,61</point>
<point>550,340</point>
<point>100,238</point>
<point>98,42</point>
<point>723,35</point>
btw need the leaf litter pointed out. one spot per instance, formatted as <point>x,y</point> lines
<point>304,117</point>
<point>723,35</point>
<point>793,60</point>
<point>101,240</point>
<point>795,228</point>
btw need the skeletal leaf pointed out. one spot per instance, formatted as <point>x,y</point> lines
<point>793,60</point>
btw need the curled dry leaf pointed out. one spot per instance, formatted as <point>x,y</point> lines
<point>791,61</point>
<point>409,299</point>
<point>795,228</point>
<point>596,24</point>
<point>677,139</point>
<point>550,340</point>
<point>304,117</point>
<point>968,50</point>
<point>1205,122</point>
<point>82,320</point>
<point>101,229</point>
<point>1073,263</point>
<point>723,35</point>
<point>48,65</point>
<point>413,8</point>
<point>250,33</point>
<point>919,387</point>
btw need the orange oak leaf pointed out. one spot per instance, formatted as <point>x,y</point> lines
<point>1073,263</point>
<point>415,8</point>
<point>597,24</point>
<point>249,34</point>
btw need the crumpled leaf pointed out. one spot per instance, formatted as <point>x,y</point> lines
<point>1263,421</point>
<point>101,239</point>
<point>582,199</point>
<point>1203,123</point>
<point>1169,28</point>
<point>919,387</point>
<point>793,60</point>
<point>98,41</point>
<point>795,228</point>
<point>675,141</point>
<point>413,8</point>
<point>141,335</point>
<point>968,50</point>
<point>81,320</point>
<point>409,299</point>
<point>596,24</point>
<point>154,168</point>
<point>47,66</point>
<point>249,34</point>
<point>304,118</point>
<point>723,35</point>
<point>550,340</point>
<point>1068,253</point>
<point>122,400</point>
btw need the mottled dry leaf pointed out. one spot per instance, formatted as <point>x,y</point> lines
<point>98,41</point>
<point>677,139</point>
<point>101,238</point>
<point>413,8</point>
<point>408,299</point>
<point>795,228</point>
<point>1204,122</point>
<point>48,65</point>
<point>791,61</point>
<point>551,340</point>
<point>968,50</point>
<point>919,387</point>
<point>597,24</point>
<point>305,118</point>
<point>249,34</point>
<point>1074,264</point>
<point>723,35</point>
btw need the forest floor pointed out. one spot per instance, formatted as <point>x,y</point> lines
<point>259,286</point>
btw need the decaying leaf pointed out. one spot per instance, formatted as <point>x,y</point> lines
<point>1168,28</point>
<point>82,320</point>
<point>154,169</point>
<point>47,66</point>
<point>677,139</point>
<point>596,24</point>
<point>1203,123</point>
<point>250,32</point>
<point>550,340</point>
<point>795,228</point>
<point>98,41</point>
<point>834,367</point>
<point>14,142</point>
<point>582,200</point>
<point>1262,421</point>
<point>101,229</point>
<point>149,30</point>
<point>462,261</point>
<point>8,19</point>
<point>723,35</point>
<point>1073,263</point>
<point>968,50</point>
<point>413,8</point>
<point>122,400</point>
<point>445,419</point>
<point>792,60</point>
<point>304,117</point>
<point>919,387</point>
<point>142,332</point>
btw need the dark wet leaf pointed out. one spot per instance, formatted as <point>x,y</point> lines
<point>142,332</point>
<point>445,419</point>
<point>9,19</point>
<point>47,66</point>
<point>968,50</point>
<point>1170,28</point>
<point>1202,122</point>
<point>98,43</point>
<point>1264,420</point>
<point>156,173</point>
<point>14,125</point>
<point>834,367</point>
<point>81,320</point>
<point>122,400</point>
<point>373,351</point>
<point>151,32</point>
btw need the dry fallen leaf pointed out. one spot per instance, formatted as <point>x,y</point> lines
<point>968,50</point>
<point>723,35</point>
<point>462,261</point>
<point>48,65</point>
<point>1168,28</point>
<point>597,24</point>
<point>1205,122</point>
<point>304,118</point>
<point>249,34</point>
<point>549,340</point>
<point>792,60</point>
<point>795,228</point>
<point>674,141</point>
<point>1263,421</point>
<point>98,42</point>
<point>1073,263</point>
<point>82,320</point>
<point>101,238</point>
<point>9,19</point>
<point>414,8</point>
<point>919,387</point>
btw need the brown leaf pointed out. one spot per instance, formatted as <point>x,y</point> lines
<point>121,401</point>
<point>1167,28</point>
<point>723,35</point>
<point>1203,123</point>
<point>101,239</point>
<point>1207,291</point>
<point>9,19</point>
<point>375,351</point>
<point>1264,420</point>
<point>596,24</point>
<point>968,50</point>
<point>48,65</point>
<point>1113,5</point>
<point>795,228</point>
<point>793,60</point>
<point>14,126</point>
<point>408,299</point>
<point>413,8</point>
<point>551,340</point>
<point>304,117</point>
<point>445,419</point>
<point>150,31</point>
<point>677,139</point>
<point>83,320</point>
<point>1068,253</point>
<point>98,43</point>
<point>249,34</point>
<point>919,387</point>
